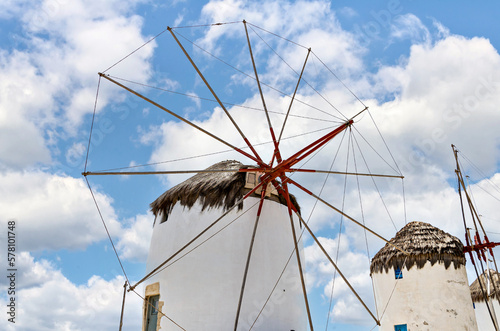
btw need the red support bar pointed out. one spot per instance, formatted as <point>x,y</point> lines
<point>311,148</point>
<point>480,247</point>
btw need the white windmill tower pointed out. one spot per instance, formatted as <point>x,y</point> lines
<point>211,286</point>
<point>485,292</point>
<point>427,289</point>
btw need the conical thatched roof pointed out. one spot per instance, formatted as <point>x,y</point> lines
<point>475,288</point>
<point>212,189</point>
<point>425,243</point>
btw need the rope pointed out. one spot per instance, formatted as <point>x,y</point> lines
<point>203,25</point>
<point>204,241</point>
<point>331,71</point>
<point>385,143</point>
<point>364,230</point>
<point>253,78</point>
<point>392,292</point>
<point>138,48</point>
<point>106,228</point>
<point>376,152</point>
<point>193,96</point>
<point>208,154</point>
<point>375,184</point>
<point>274,34</point>
<point>339,233</point>
<point>159,311</point>
<point>92,123</point>
<point>404,199</point>
<point>480,172</point>
<point>334,75</point>
<point>317,92</point>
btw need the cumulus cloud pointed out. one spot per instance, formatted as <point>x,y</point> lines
<point>134,239</point>
<point>62,51</point>
<point>354,266</point>
<point>57,212</point>
<point>309,23</point>
<point>49,300</point>
<point>445,90</point>
<point>54,211</point>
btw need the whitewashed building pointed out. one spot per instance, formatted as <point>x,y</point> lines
<point>486,314</point>
<point>426,289</point>
<point>200,288</point>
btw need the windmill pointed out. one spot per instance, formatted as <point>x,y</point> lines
<point>233,187</point>
<point>480,251</point>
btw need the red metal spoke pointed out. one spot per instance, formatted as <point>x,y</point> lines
<point>285,165</point>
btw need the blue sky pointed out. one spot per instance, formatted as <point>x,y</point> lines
<point>428,71</point>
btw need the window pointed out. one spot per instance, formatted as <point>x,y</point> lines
<point>400,327</point>
<point>152,315</point>
<point>398,273</point>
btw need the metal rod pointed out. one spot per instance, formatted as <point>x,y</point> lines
<point>297,157</point>
<point>184,120</point>
<point>160,172</point>
<point>215,96</point>
<point>186,245</point>
<point>336,267</point>
<point>273,137</point>
<point>123,305</point>
<point>249,256</point>
<point>297,252</point>
<point>346,216</point>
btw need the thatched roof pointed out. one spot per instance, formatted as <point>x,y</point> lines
<point>425,243</point>
<point>212,189</point>
<point>475,288</point>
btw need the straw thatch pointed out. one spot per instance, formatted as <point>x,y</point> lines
<point>475,287</point>
<point>212,189</point>
<point>423,242</point>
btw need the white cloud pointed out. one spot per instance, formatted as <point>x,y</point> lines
<point>63,51</point>
<point>57,212</point>
<point>410,27</point>
<point>134,240</point>
<point>53,211</point>
<point>447,95</point>
<point>309,23</point>
<point>354,266</point>
<point>49,300</point>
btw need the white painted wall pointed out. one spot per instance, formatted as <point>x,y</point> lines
<point>201,291</point>
<point>431,298</point>
<point>483,317</point>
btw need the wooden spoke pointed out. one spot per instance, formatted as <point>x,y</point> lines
<point>216,97</point>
